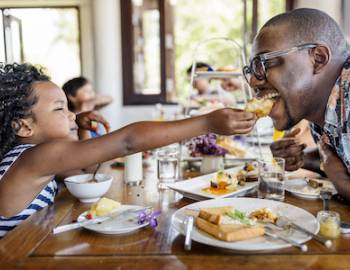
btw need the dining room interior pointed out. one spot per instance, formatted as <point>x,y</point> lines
<point>199,143</point>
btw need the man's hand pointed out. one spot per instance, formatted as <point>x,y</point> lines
<point>85,120</point>
<point>332,164</point>
<point>334,168</point>
<point>290,149</point>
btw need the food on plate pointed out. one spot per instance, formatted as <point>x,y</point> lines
<point>103,207</point>
<point>261,107</point>
<point>231,147</point>
<point>313,183</point>
<point>203,69</point>
<point>249,173</point>
<point>228,224</point>
<point>222,183</point>
<point>228,69</point>
<point>263,215</point>
<point>312,187</point>
<point>215,215</point>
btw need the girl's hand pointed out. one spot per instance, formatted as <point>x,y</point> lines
<point>85,120</point>
<point>231,121</point>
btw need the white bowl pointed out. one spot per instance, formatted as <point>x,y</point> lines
<point>88,192</point>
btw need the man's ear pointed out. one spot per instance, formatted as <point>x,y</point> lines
<point>321,56</point>
<point>23,127</point>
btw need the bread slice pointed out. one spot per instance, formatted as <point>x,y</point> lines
<point>230,232</point>
<point>215,215</point>
<point>261,107</point>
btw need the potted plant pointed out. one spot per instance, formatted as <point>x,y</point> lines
<point>212,154</point>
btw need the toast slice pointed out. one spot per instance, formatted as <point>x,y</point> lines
<point>261,107</point>
<point>230,232</point>
<point>214,215</point>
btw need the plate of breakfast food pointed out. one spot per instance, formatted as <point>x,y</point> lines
<point>309,188</point>
<point>240,223</point>
<point>223,183</point>
<point>115,218</point>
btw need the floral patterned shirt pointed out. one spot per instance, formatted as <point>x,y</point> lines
<point>336,126</point>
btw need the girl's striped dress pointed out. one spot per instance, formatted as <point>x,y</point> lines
<point>44,198</point>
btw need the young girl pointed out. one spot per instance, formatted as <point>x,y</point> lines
<point>38,141</point>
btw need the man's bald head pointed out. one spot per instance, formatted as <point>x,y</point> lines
<point>307,25</point>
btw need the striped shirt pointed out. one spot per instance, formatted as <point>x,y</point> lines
<point>44,198</point>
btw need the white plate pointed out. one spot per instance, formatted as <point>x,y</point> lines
<point>300,188</point>
<point>263,140</point>
<point>247,205</point>
<point>192,188</point>
<point>118,225</point>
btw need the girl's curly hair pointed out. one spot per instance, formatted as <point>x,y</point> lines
<point>16,100</point>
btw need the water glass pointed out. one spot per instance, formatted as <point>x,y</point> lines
<point>167,161</point>
<point>271,179</point>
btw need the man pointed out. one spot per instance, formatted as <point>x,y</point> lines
<point>302,58</point>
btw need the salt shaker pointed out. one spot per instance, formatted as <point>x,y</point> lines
<point>133,169</point>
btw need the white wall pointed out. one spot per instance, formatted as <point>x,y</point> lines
<point>108,62</point>
<point>108,65</point>
<point>331,7</point>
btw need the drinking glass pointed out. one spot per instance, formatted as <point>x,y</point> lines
<point>167,161</point>
<point>271,179</point>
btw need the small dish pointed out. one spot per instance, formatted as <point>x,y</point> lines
<point>300,188</point>
<point>85,191</point>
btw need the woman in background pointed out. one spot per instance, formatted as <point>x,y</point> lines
<point>82,97</point>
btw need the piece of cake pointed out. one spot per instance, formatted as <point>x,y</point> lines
<point>104,207</point>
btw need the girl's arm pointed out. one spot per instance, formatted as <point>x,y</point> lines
<point>64,155</point>
<point>35,166</point>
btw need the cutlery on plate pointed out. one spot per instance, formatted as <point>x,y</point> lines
<point>189,226</point>
<point>76,225</point>
<point>284,222</point>
<point>272,234</point>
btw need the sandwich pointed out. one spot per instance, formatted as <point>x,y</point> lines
<point>261,107</point>
<point>227,224</point>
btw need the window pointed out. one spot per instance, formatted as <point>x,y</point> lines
<point>159,37</point>
<point>48,37</point>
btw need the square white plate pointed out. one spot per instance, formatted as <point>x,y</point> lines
<point>192,188</point>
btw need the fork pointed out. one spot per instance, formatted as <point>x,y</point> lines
<point>269,232</point>
<point>284,222</point>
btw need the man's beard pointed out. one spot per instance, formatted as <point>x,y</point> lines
<point>290,121</point>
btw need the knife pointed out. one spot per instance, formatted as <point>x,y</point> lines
<point>189,226</point>
<point>76,225</point>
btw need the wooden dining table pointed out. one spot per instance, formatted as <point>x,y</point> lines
<point>32,245</point>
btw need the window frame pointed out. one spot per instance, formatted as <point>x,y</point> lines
<point>59,5</point>
<point>130,97</point>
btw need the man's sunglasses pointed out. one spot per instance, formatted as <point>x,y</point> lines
<point>257,66</point>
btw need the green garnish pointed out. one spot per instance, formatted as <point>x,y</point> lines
<point>240,216</point>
